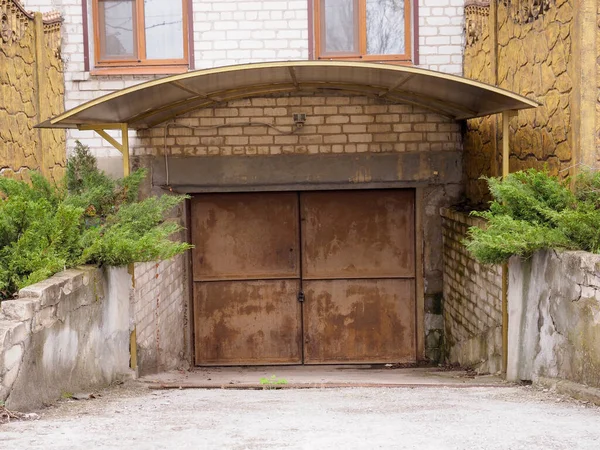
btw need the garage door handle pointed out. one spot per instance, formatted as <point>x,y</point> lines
<point>301,297</point>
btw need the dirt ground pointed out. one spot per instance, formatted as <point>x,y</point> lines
<point>134,417</point>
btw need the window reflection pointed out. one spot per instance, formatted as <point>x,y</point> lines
<point>117,21</point>
<point>164,29</point>
<point>385,27</point>
<point>341,26</point>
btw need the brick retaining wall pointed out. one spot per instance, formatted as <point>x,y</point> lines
<point>472,300</point>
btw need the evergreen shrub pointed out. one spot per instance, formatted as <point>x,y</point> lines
<point>88,219</point>
<point>532,210</point>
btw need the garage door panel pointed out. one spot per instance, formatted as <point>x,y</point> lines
<point>352,254</point>
<point>245,236</point>
<point>248,322</point>
<point>358,234</point>
<point>359,321</point>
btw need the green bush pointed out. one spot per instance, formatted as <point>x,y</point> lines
<point>89,219</point>
<point>533,210</point>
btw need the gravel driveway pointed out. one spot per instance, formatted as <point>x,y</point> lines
<point>133,417</point>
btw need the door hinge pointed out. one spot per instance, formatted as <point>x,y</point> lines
<point>300,296</point>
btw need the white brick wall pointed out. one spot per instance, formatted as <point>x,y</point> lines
<point>241,31</point>
<point>441,25</point>
<point>40,5</point>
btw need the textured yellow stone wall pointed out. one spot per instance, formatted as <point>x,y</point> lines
<point>480,142</point>
<point>529,53</point>
<point>534,59</point>
<point>31,90</point>
<point>52,103</point>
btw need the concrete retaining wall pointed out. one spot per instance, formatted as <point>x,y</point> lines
<point>554,317</point>
<point>63,335</point>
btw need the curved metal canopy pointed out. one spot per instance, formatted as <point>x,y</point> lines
<point>151,103</point>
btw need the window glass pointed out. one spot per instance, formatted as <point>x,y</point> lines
<point>117,22</point>
<point>385,27</point>
<point>164,29</point>
<point>340,26</point>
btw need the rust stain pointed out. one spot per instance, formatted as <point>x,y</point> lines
<point>236,237</point>
<point>368,234</point>
<point>359,321</point>
<point>254,322</point>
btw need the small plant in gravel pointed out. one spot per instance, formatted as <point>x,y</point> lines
<point>88,219</point>
<point>272,381</point>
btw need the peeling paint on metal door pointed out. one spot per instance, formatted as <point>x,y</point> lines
<point>248,322</point>
<point>245,236</point>
<point>246,279</point>
<point>359,321</point>
<point>358,275</point>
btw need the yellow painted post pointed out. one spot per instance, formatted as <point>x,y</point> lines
<point>133,335</point>
<point>133,349</point>
<point>40,88</point>
<point>504,317</point>
<point>131,268</point>
<point>506,116</point>
<point>584,97</point>
<point>125,148</point>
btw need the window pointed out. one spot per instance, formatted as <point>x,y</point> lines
<point>140,36</point>
<point>371,30</point>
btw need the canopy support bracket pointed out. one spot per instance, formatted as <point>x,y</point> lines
<point>123,147</point>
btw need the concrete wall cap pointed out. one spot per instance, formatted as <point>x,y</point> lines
<point>51,290</point>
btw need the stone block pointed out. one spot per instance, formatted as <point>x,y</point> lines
<point>433,339</point>
<point>13,356</point>
<point>19,309</point>
<point>434,322</point>
<point>10,333</point>
<point>433,303</point>
<point>45,318</point>
<point>433,354</point>
<point>9,378</point>
<point>80,298</point>
<point>588,292</point>
<point>49,292</point>
<point>20,332</point>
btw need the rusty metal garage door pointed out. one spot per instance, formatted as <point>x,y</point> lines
<point>358,276</point>
<point>338,288</point>
<point>246,279</point>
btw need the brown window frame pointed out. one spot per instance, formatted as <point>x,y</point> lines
<point>142,65</point>
<point>410,55</point>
